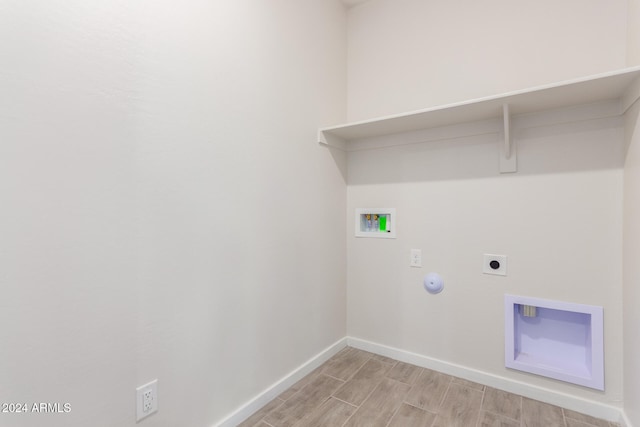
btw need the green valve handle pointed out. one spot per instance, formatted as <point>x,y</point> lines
<point>383,223</point>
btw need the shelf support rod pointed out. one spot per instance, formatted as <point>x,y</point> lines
<point>508,161</point>
<point>507,135</point>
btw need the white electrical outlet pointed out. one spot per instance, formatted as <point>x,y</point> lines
<point>495,264</point>
<point>146,400</point>
<point>416,258</point>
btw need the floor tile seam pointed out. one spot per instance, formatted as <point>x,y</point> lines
<point>371,392</point>
<point>353,374</point>
<point>444,395</point>
<point>336,357</point>
<point>403,382</point>
<point>304,401</point>
<point>466,383</point>
<point>420,371</point>
<point>423,370</point>
<point>394,413</point>
<point>301,388</point>
<point>478,410</point>
<point>331,376</point>
<point>565,417</point>
<point>376,384</point>
<point>406,393</point>
<point>481,406</point>
<point>484,394</point>
<point>284,400</point>
<point>583,422</point>
<point>350,350</point>
<point>344,401</point>
<point>369,395</point>
<point>393,364</point>
<point>263,419</point>
<point>478,416</point>
<point>296,393</point>
<point>411,387</point>
<point>354,412</point>
<point>309,413</point>
<point>580,421</point>
<point>369,360</point>
<point>387,365</point>
<point>417,407</point>
<point>359,368</point>
<point>501,415</point>
<point>521,411</point>
<point>347,420</point>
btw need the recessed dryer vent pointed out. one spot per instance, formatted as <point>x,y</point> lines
<point>555,339</point>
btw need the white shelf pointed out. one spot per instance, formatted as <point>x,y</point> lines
<point>623,85</point>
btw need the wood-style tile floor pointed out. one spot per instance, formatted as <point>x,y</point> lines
<point>357,388</point>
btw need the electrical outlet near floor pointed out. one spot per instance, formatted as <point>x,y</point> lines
<point>146,400</point>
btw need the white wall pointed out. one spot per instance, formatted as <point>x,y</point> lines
<point>631,248</point>
<point>633,33</point>
<point>558,219</point>
<point>166,212</point>
<point>412,54</point>
<point>68,217</point>
<point>631,269</point>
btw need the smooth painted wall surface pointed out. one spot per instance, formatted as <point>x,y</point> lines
<point>631,249</point>
<point>558,220</point>
<point>166,212</point>
<point>406,55</point>
<point>631,290</point>
<point>633,33</point>
<point>631,268</point>
<point>68,222</point>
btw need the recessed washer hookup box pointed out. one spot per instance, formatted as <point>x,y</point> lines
<point>376,222</point>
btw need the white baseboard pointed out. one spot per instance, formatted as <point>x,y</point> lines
<point>595,409</point>
<point>280,386</point>
<point>624,421</point>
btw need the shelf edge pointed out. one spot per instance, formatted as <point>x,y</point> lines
<point>331,130</point>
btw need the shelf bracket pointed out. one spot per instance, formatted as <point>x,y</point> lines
<point>508,158</point>
<point>327,138</point>
<point>631,95</point>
